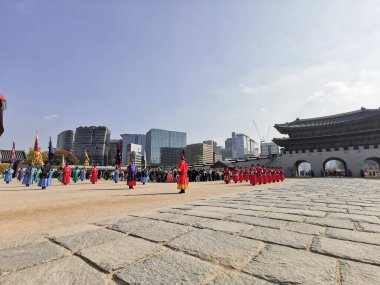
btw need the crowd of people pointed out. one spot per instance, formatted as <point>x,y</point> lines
<point>43,175</point>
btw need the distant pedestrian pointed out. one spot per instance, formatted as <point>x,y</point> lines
<point>131,174</point>
<point>8,174</point>
<point>94,174</point>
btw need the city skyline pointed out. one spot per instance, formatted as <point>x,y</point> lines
<point>204,68</point>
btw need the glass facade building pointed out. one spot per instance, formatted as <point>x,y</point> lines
<point>156,139</point>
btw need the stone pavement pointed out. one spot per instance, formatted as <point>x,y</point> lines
<point>315,231</point>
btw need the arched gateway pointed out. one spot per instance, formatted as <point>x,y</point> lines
<point>342,144</point>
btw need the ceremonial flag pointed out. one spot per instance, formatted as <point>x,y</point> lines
<point>13,158</point>
<point>145,161</point>
<point>118,156</point>
<point>37,156</point>
<point>51,152</point>
<point>63,161</point>
<point>86,159</point>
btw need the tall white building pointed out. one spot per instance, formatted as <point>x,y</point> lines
<point>134,152</point>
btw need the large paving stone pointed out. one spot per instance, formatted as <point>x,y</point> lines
<point>120,253</point>
<point>207,214</point>
<point>71,230</point>
<point>257,221</point>
<point>161,231</point>
<point>130,226</point>
<point>67,271</point>
<point>119,219</point>
<point>300,212</point>
<point>281,237</point>
<point>285,265</point>
<point>224,226</point>
<point>169,268</point>
<point>373,228</point>
<point>218,247</point>
<point>238,279</point>
<point>285,217</point>
<point>329,222</point>
<point>348,250</point>
<point>16,258</point>
<point>371,238</point>
<point>21,240</point>
<point>316,207</point>
<point>88,239</point>
<point>355,217</point>
<point>305,228</point>
<point>354,273</point>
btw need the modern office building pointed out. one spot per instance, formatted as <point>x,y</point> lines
<point>199,153</point>
<point>212,143</point>
<point>157,138</point>
<point>112,153</point>
<point>170,156</point>
<point>94,140</point>
<point>132,138</point>
<point>65,140</point>
<point>134,152</point>
<point>242,145</point>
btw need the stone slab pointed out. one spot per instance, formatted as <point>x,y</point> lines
<point>218,247</point>
<point>371,238</point>
<point>305,228</point>
<point>354,273</point>
<point>70,230</point>
<point>207,214</point>
<point>329,222</point>
<point>280,237</point>
<point>119,253</point>
<point>285,265</point>
<point>16,258</point>
<point>88,239</point>
<point>161,231</point>
<point>373,228</point>
<point>169,268</point>
<point>69,270</point>
<point>238,279</point>
<point>355,217</point>
<point>348,250</point>
<point>21,240</point>
<point>257,221</point>
<point>115,220</point>
<point>133,225</point>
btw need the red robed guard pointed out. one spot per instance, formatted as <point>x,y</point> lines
<point>277,171</point>
<point>183,180</point>
<point>282,174</point>
<point>246,173</point>
<point>269,174</point>
<point>227,175</point>
<point>94,174</point>
<point>236,175</point>
<point>241,175</point>
<point>66,175</point>
<point>253,177</point>
<point>259,174</point>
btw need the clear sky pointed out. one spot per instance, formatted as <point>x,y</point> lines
<point>207,67</point>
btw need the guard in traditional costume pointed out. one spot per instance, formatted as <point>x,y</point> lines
<point>183,180</point>
<point>45,171</point>
<point>282,174</point>
<point>246,174</point>
<point>29,175</point>
<point>259,174</point>
<point>82,174</point>
<point>253,177</point>
<point>8,174</point>
<point>236,175</point>
<point>37,175</point>
<point>241,175</point>
<point>20,175</point>
<point>76,175</point>
<point>66,175</point>
<point>131,174</point>
<point>116,175</point>
<point>227,175</point>
<point>144,176</point>
<point>94,174</point>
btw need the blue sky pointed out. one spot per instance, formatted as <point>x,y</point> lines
<point>204,67</point>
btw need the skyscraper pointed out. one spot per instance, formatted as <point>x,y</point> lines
<point>157,138</point>
<point>96,140</point>
<point>65,140</point>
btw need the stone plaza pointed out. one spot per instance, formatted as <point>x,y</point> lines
<point>312,231</point>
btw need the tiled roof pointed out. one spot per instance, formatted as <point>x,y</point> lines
<point>6,155</point>
<point>348,117</point>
